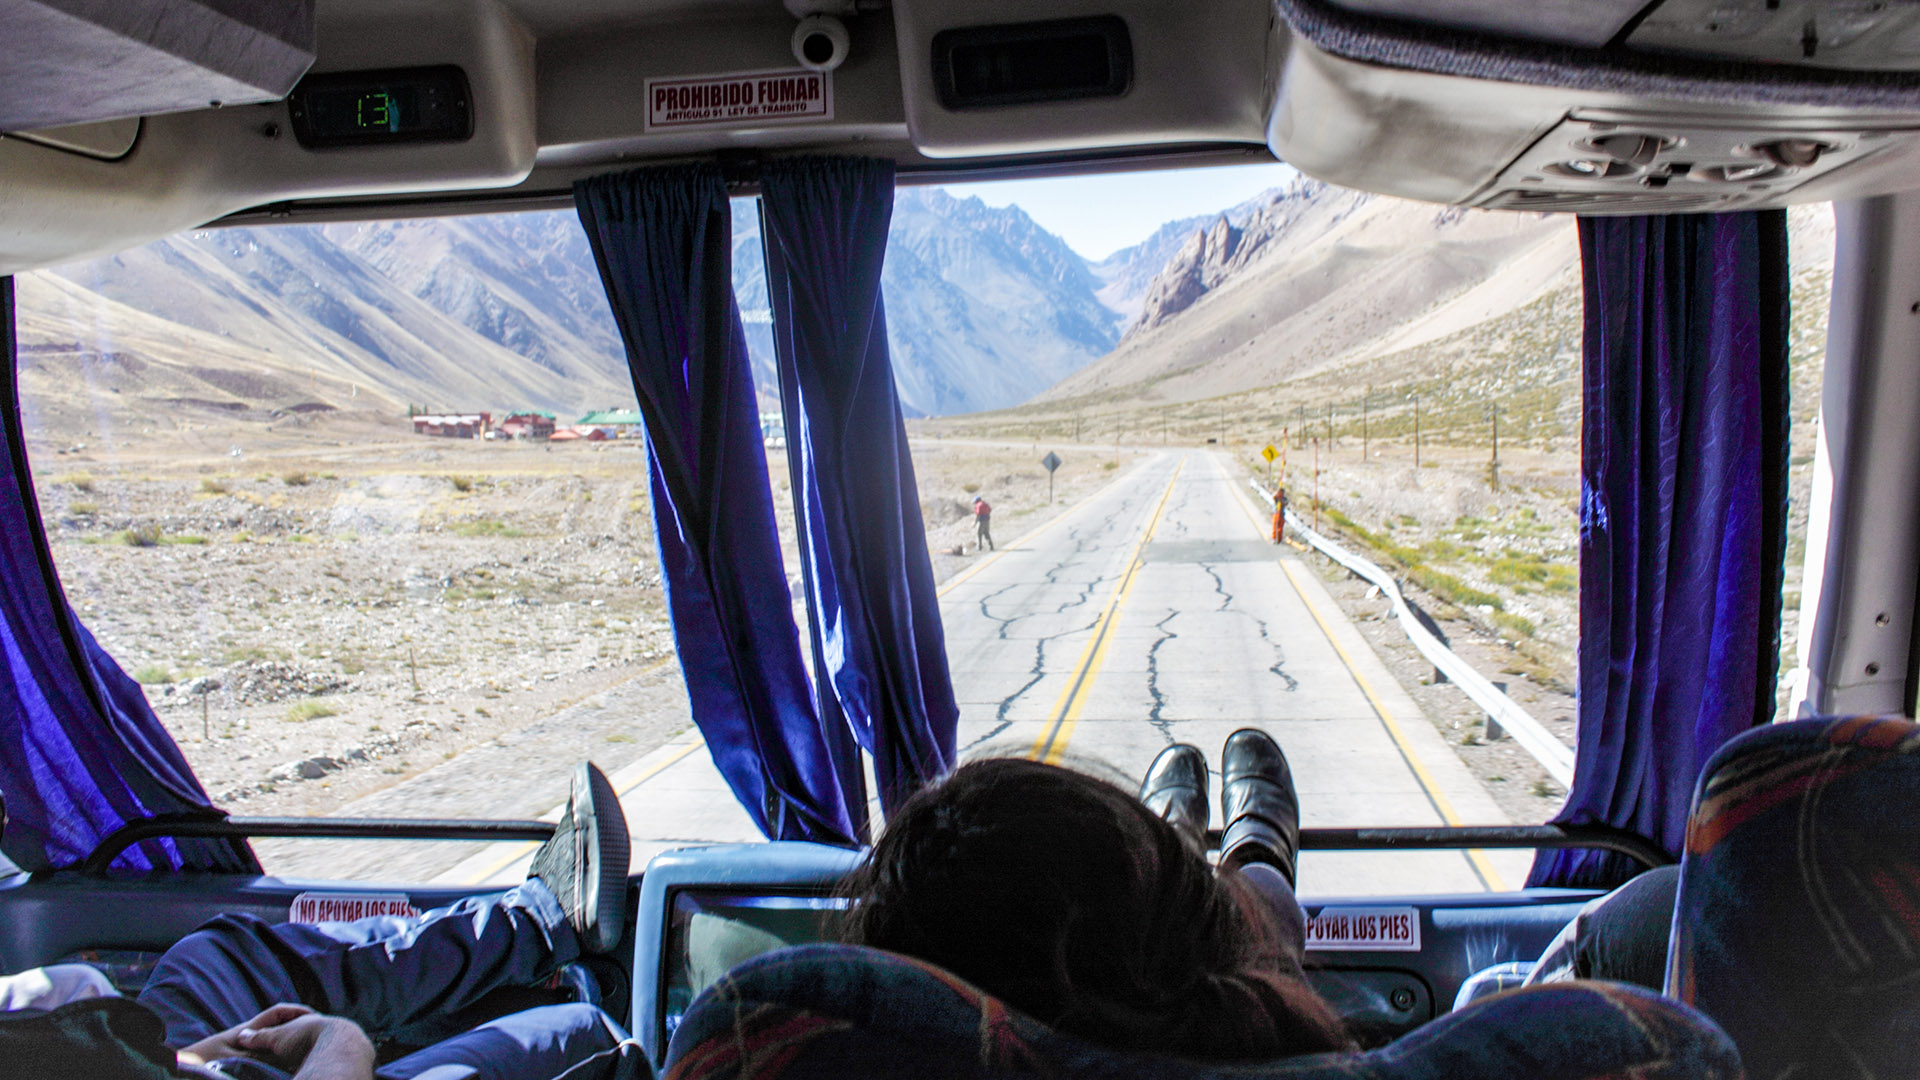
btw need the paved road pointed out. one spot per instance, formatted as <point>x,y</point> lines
<point>1154,612</point>
<point>1158,612</point>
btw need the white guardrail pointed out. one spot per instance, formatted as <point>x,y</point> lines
<point>1552,754</point>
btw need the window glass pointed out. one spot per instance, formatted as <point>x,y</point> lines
<point>364,506</point>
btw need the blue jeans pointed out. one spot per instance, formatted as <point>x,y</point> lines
<point>390,974</point>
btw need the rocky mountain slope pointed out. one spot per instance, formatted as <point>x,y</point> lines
<point>1313,274</point>
<point>985,309</point>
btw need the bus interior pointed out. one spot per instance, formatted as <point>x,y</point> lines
<point>225,120</point>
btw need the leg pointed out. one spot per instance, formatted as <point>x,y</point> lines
<point>1620,936</point>
<point>537,1044</point>
<point>1289,921</point>
<point>389,973</point>
<point>383,973</point>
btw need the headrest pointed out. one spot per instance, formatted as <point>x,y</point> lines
<point>850,1013</point>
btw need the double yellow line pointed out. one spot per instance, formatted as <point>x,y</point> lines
<point>1051,746</point>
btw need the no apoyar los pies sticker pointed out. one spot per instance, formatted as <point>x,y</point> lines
<point>1376,929</point>
<point>744,97</point>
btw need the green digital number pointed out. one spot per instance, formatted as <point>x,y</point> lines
<point>376,110</point>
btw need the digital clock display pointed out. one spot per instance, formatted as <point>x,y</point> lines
<point>375,108</point>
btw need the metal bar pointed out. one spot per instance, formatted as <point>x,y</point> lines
<point>1450,837</point>
<point>330,828</point>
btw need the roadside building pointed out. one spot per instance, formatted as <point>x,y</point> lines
<point>453,425</point>
<point>618,423</point>
<point>528,424</point>
<point>564,435</point>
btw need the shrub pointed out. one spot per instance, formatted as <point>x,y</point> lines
<point>485,527</point>
<point>462,484</point>
<point>310,710</point>
<point>153,675</point>
<point>142,536</point>
<point>83,509</point>
<point>213,487</point>
<point>296,479</point>
<point>80,481</point>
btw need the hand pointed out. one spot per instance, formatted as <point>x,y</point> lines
<point>288,1045</point>
<point>228,1044</point>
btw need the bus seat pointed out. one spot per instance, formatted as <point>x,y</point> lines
<point>847,1012</point>
<point>1797,925</point>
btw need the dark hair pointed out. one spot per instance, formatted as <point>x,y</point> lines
<point>1068,899</point>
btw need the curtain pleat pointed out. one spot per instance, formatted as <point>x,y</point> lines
<point>663,241</point>
<point>1683,515</point>
<point>81,751</point>
<point>880,650</point>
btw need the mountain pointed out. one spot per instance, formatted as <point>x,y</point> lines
<point>984,307</point>
<point>1317,276</point>
<point>1126,274</point>
<point>505,311</point>
<point>452,314</point>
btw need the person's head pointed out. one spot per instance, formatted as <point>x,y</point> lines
<point>1066,897</point>
<point>977,500</point>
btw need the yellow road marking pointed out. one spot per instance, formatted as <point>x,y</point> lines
<point>1478,858</point>
<point>1488,875</point>
<point>1051,746</point>
<point>521,849</point>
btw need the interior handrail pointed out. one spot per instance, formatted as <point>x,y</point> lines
<point>204,826</point>
<point>1385,838</point>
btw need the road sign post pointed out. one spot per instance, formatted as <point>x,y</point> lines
<point>1269,453</point>
<point>1052,462</point>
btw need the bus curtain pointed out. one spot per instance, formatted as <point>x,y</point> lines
<point>81,751</point>
<point>1682,518</point>
<point>880,654</point>
<point>663,240</point>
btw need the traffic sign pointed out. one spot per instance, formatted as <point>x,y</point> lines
<point>1052,462</point>
<point>1269,453</point>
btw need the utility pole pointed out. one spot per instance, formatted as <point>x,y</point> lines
<point>1416,431</point>
<point>1363,424</point>
<point>1316,485</point>
<point>1493,473</point>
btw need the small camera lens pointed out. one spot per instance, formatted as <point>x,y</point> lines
<point>817,48</point>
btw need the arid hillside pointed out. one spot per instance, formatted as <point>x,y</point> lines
<point>1385,349</point>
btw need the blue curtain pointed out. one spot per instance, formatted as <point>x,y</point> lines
<point>879,650</point>
<point>81,752</point>
<point>663,239</point>
<point>1683,515</point>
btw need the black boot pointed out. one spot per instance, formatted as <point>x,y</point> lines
<point>1176,788</point>
<point>1258,804</point>
<point>585,864</point>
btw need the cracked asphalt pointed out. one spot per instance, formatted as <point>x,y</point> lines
<point>1158,612</point>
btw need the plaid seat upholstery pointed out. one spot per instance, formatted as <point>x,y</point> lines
<point>850,1013</point>
<point>1797,925</point>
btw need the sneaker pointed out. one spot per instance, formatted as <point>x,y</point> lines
<point>584,865</point>
<point>1258,804</point>
<point>1176,788</point>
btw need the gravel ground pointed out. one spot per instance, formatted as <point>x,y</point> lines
<point>423,628</point>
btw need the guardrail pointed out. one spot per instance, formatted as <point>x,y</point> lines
<point>1533,737</point>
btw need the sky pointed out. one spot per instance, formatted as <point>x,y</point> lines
<point>1099,215</point>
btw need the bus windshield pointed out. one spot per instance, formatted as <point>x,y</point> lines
<point>364,507</point>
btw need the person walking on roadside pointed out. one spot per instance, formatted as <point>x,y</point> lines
<point>1279,513</point>
<point>982,525</point>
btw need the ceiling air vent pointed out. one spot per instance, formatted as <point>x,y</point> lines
<point>982,67</point>
<point>1616,162</point>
